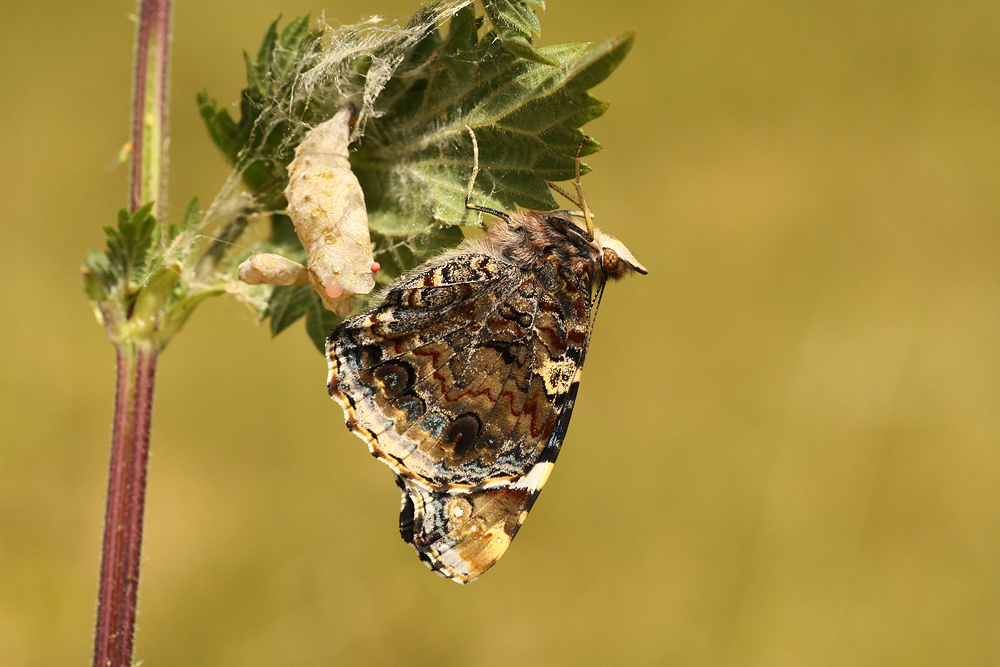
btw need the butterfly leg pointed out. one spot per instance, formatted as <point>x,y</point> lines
<point>472,182</point>
<point>579,191</point>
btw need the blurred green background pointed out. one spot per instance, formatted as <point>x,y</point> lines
<point>786,446</point>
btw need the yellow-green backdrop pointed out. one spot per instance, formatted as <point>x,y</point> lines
<point>787,445</point>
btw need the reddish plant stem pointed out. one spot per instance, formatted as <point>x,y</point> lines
<point>136,359</point>
<point>149,102</point>
<point>123,519</point>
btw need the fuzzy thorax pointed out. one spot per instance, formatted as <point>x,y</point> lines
<point>530,237</point>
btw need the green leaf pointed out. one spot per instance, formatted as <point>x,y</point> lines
<point>98,281</point>
<point>128,246</point>
<point>257,143</point>
<point>192,216</point>
<point>293,38</point>
<point>257,68</point>
<point>288,304</point>
<point>399,250</point>
<point>514,25</point>
<point>520,45</point>
<point>416,157</point>
<point>507,15</point>
<point>319,323</point>
<point>118,273</point>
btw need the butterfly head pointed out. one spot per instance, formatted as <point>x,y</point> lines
<point>617,261</point>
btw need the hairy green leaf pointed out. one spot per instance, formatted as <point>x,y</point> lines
<point>416,156</point>
<point>288,304</point>
<point>192,216</point>
<point>514,24</point>
<point>258,145</point>
<point>398,250</point>
<point>319,323</point>
<point>124,259</point>
<point>513,15</point>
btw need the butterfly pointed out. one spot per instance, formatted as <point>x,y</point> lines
<point>462,375</point>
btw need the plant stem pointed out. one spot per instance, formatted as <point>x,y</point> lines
<point>126,492</point>
<point>149,103</point>
<point>136,357</point>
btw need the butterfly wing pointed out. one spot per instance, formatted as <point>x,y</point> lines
<point>455,379</point>
<point>459,379</point>
<point>461,535</point>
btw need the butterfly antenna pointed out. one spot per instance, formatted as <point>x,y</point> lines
<point>472,182</point>
<point>579,191</point>
<point>566,195</point>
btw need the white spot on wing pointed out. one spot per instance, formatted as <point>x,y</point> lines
<point>535,479</point>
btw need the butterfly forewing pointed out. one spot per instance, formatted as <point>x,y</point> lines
<point>465,398</point>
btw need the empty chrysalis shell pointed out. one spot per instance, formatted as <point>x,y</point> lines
<point>327,207</point>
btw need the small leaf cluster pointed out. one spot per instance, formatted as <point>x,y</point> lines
<point>255,143</point>
<point>136,292</point>
<point>123,263</point>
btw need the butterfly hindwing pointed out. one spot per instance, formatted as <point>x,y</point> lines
<point>461,535</point>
